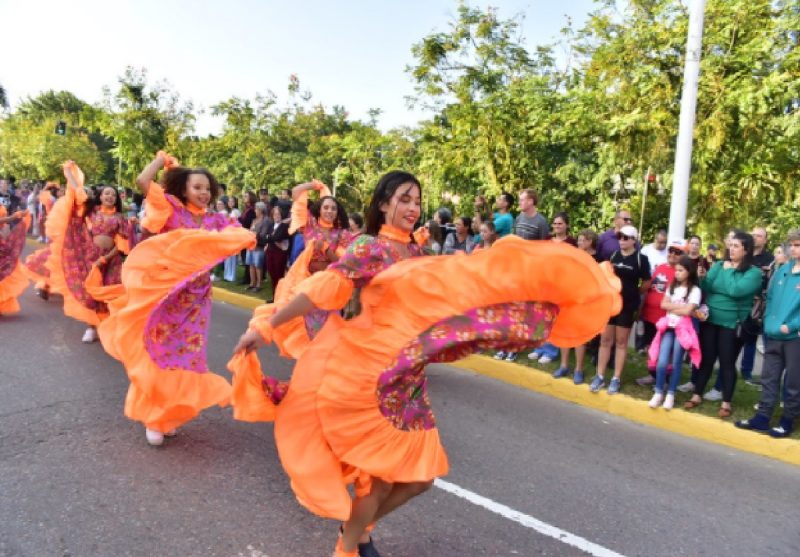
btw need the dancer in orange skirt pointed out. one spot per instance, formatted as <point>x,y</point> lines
<point>35,267</point>
<point>12,239</point>
<point>357,408</point>
<point>159,327</point>
<point>325,231</point>
<point>88,236</point>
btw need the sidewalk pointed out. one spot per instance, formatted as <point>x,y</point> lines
<point>678,421</point>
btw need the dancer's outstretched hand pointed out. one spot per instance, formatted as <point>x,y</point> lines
<point>249,341</point>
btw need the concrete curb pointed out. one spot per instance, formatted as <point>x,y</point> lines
<point>677,421</point>
<point>235,299</point>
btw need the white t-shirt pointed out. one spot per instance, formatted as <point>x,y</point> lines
<point>680,297</point>
<point>655,256</point>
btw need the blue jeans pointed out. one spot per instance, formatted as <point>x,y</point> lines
<point>670,350</point>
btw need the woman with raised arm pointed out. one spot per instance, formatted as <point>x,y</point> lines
<point>357,409</point>
<point>159,328</point>
<point>326,234</point>
<point>88,234</point>
<point>13,280</point>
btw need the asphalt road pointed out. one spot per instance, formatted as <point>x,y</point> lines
<point>78,479</point>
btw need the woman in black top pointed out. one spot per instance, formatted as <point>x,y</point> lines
<point>633,270</point>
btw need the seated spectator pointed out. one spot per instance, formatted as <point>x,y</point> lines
<point>462,240</point>
<point>782,350</point>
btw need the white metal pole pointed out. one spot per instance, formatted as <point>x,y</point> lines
<point>683,149</point>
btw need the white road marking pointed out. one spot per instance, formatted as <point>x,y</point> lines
<point>527,521</point>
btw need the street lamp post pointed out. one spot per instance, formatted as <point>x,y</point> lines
<point>683,149</point>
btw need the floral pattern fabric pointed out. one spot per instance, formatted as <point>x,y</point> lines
<point>10,249</point>
<point>369,255</point>
<point>36,261</point>
<point>402,389</point>
<point>176,334</point>
<point>177,330</point>
<point>80,252</point>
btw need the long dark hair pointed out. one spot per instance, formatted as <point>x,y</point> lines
<point>94,202</point>
<point>175,180</point>
<point>436,231</point>
<point>384,191</point>
<point>691,281</point>
<point>748,245</point>
<point>341,214</point>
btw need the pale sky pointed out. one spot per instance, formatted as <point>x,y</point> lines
<point>347,52</point>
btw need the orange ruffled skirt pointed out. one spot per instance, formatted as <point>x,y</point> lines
<point>158,270</point>
<point>357,403</point>
<point>16,281</point>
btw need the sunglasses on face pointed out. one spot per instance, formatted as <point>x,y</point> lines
<point>624,237</point>
<point>675,251</point>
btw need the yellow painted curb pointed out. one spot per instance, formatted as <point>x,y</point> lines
<point>233,298</point>
<point>677,421</point>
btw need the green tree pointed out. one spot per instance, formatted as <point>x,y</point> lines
<point>140,119</point>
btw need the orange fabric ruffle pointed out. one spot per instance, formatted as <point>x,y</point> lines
<point>57,224</point>
<point>16,282</point>
<point>326,290</point>
<point>247,395</point>
<point>165,399</point>
<point>97,290</point>
<point>157,210</point>
<point>329,424</point>
<point>40,281</point>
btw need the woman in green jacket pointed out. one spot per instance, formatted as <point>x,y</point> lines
<point>782,353</point>
<point>728,287</point>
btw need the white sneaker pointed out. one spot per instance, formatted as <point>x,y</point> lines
<point>713,395</point>
<point>669,401</point>
<point>534,356</point>
<point>155,438</point>
<point>545,359</point>
<point>90,335</point>
<point>656,401</point>
<point>686,387</point>
<point>500,355</point>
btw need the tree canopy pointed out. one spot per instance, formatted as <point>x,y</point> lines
<point>586,131</point>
